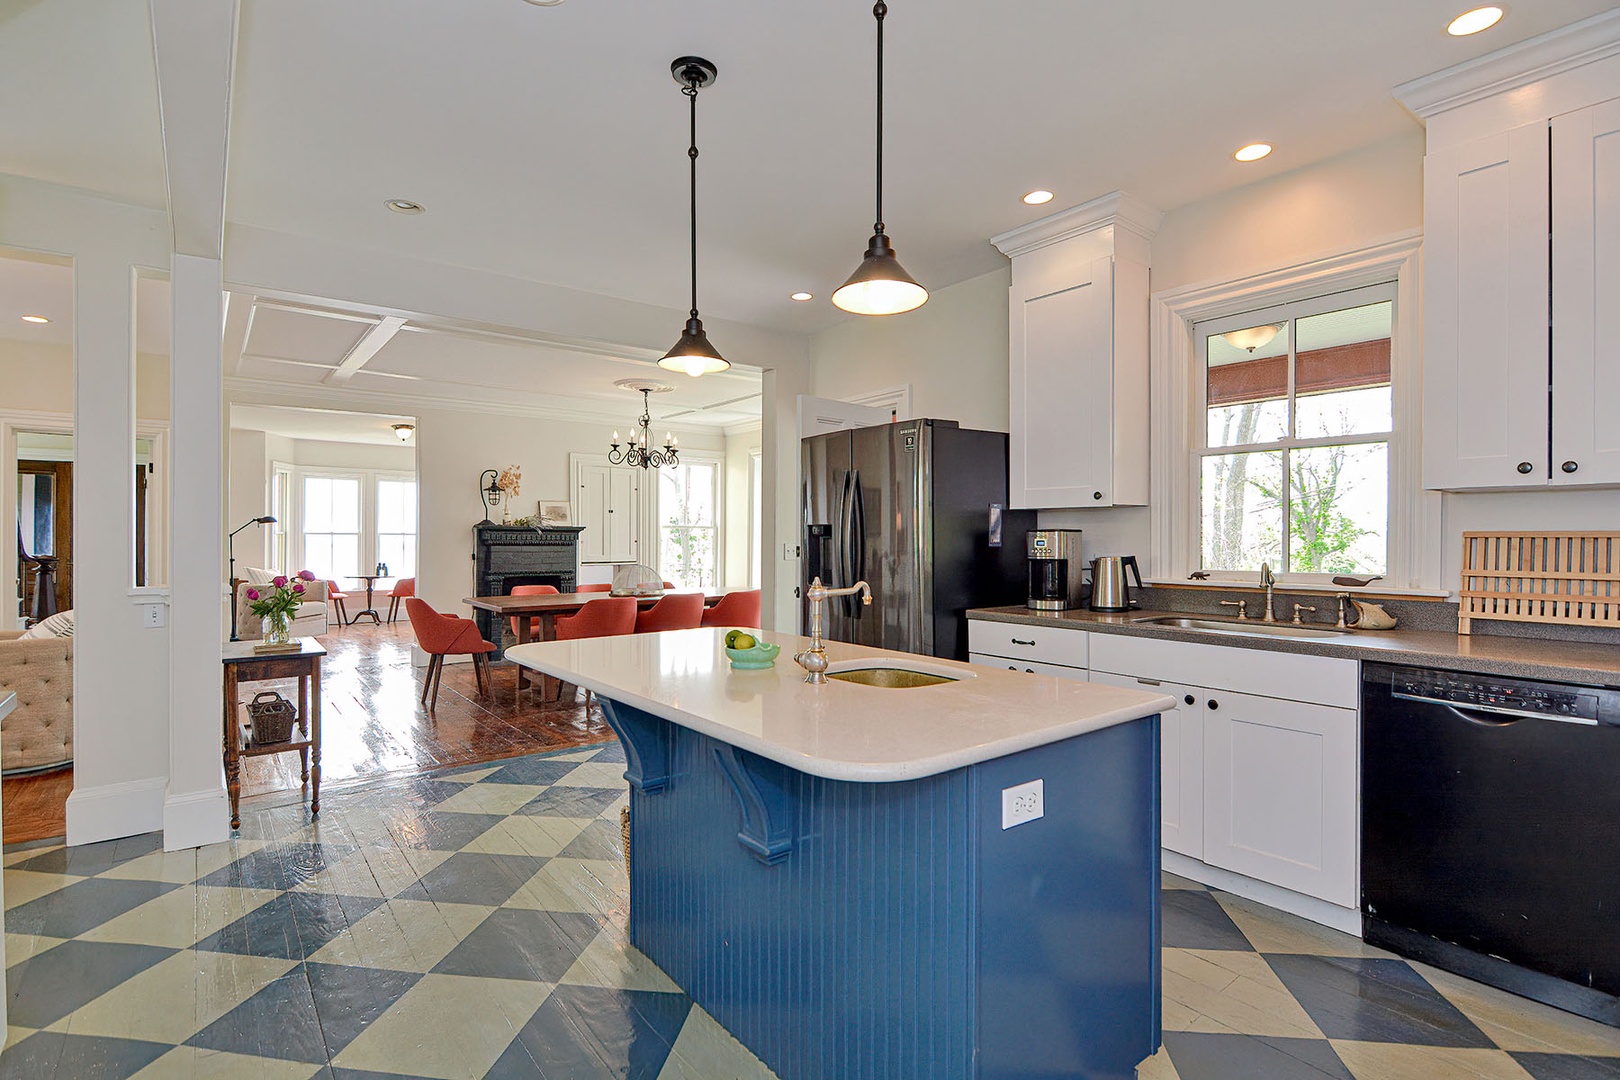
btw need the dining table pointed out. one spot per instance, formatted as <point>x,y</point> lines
<point>545,607</point>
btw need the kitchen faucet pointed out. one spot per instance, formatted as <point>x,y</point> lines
<point>814,659</point>
<point>1267,581</point>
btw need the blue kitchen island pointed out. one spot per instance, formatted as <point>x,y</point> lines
<point>832,873</point>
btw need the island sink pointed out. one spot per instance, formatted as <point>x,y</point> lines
<point>892,676</point>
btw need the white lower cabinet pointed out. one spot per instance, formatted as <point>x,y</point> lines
<point>1181,762</point>
<point>1280,785</point>
<point>1034,667</point>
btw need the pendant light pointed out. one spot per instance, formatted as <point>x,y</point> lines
<point>880,285</point>
<point>692,353</point>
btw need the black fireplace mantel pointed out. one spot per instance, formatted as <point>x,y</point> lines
<point>508,555</point>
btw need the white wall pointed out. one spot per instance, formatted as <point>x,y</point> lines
<point>247,496</point>
<point>740,449</point>
<point>952,351</point>
<point>39,378</point>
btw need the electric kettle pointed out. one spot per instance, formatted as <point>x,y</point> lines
<point>1109,589</point>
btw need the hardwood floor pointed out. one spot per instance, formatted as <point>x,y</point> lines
<point>373,725</point>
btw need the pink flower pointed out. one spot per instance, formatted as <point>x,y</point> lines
<point>253,594</point>
<point>279,581</point>
<point>298,586</point>
<point>307,575</point>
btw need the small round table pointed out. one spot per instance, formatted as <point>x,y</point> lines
<point>371,583</point>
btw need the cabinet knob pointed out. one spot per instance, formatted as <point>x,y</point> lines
<point>1189,699</point>
<point>1214,704</point>
<point>1570,466</point>
<point>1525,466</point>
<point>1030,670</point>
<point>1096,494</point>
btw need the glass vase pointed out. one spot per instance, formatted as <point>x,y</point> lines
<point>276,630</point>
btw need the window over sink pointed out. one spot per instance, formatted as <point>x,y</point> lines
<point>1291,461</point>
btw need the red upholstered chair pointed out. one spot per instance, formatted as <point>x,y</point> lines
<point>593,588</point>
<point>676,611</point>
<point>607,617</point>
<point>337,599</point>
<point>404,587</point>
<point>739,608</point>
<point>534,620</point>
<point>447,635</point>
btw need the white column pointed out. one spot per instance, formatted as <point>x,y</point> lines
<point>195,808</point>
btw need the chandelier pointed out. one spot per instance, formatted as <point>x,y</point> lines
<point>640,452</point>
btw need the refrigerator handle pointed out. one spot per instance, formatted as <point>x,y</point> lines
<point>840,555</point>
<point>857,542</point>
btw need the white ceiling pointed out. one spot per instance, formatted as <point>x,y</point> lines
<point>548,142</point>
<point>300,347</point>
<point>45,287</point>
<point>320,425</point>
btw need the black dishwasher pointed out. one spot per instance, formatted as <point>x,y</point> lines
<point>1490,825</point>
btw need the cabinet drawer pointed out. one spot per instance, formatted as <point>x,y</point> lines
<point>1046,644</point>
<point>1324,680</point>
<point>1033,667</point>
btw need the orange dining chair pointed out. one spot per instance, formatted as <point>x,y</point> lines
<point>447,635</point>
<point>675,611</point>
<point>593,588</point>
<point>404,587</point>
<point>337,597</point>
<point>608,617</point>
<point>740,608</point>
<point>534,620</point>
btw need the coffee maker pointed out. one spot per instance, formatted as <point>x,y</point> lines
<point>1054,569</point>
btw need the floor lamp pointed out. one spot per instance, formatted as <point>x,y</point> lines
<point>230,546</point>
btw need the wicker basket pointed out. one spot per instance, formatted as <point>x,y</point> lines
<point>272,718</point>
<point>624,833</point>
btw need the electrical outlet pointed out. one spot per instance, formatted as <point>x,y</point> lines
<point>1026,802</point>
<point>790,552</point>
<point>154,616</point>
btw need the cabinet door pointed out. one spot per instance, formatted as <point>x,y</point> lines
<point>1181,762</point>
<point>619,529</point>
<point>590,510</point>
<point>1280,783</point>
<point>1061,381</point>
<point>1032,667</point>
<point>1485,312</point>
<point>1586,285</point>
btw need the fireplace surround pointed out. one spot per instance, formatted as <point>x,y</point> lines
<point>509,555</point>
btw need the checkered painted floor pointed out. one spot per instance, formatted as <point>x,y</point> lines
<point>470,923</point>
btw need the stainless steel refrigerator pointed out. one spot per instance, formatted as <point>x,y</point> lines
<point>907,508</point>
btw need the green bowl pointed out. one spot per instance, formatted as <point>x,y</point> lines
<point>762,655</point>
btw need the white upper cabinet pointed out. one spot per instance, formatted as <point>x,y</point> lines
<point>1586,295</point>
<point>606,500</point>
<point>1078,356</point>
<point>1521,219</point>
<point>1485,312</point>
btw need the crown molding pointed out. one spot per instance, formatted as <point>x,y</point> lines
<point>1541,57</point>
<point>1116,208</point>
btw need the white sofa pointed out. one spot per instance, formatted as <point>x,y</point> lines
<point>310,620</point>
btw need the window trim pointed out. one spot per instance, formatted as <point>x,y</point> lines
<point>694,457</point>
<point>1414,524</point>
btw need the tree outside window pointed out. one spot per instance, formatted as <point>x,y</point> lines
<point>688,531</point>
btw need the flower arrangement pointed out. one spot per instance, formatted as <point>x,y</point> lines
<point>277,604</point>
<point>510,479</point>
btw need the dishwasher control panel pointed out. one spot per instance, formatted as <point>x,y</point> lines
<point>1513,697</point>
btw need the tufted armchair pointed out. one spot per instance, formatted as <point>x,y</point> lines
<point>38,735</point>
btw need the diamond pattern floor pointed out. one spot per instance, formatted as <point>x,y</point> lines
<point>470,923</point>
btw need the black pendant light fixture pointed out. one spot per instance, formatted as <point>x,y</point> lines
<point>880,285</point>
<point>692,353</point>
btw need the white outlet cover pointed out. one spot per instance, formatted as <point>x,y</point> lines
<point>1023,803</point>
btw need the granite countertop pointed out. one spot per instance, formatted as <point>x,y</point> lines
<point>840,730</point>
<point>1528,658</point>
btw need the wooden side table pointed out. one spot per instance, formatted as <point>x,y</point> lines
<point>243,665</point>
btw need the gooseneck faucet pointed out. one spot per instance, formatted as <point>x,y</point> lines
<point>1267,581</point>
<point>814,659</point>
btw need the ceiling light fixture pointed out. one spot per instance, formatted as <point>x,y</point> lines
<point>404,206</point>
<point>1253,152</point>
<point>404,431</point>
<point>640,453</point>
<point>1038,197</point>
<point>692,353</point>
<point>543,3</point>
<point>880,285</point>
<point>1251,338</point>
<point>1472,22</point>
<point>801,297</point>
<point>35,319</point>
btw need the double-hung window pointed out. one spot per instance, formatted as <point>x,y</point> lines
<point>396,526</point>
<point>688,523</point>
<point>332,526</point>
<point>1291,453</point>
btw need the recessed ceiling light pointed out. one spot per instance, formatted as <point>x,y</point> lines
<point>1472,22</point>
<point>1253,152</point>
<point>1038,196</point>
<point>801,297</point>
<point>404,206</point>
<point>35,319</point>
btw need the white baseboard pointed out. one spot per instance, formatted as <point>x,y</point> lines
<point>115,810</point>
<point>196,820</point>
<point>1345,920</point>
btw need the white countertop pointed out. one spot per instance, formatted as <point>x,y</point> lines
<point>841,731</point>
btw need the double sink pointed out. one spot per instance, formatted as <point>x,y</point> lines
<point>1241,627</point>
